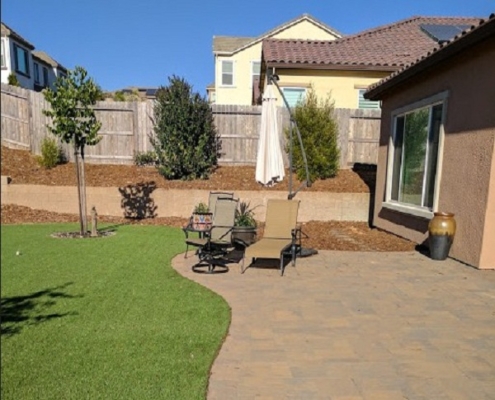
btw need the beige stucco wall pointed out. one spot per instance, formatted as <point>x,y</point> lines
<point>343,85</point>
<point>467,183</point>
<point>487,258</point>
<point>318,206</point>
<point>241,92</point>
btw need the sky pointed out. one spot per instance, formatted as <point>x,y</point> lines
<point>124,43</point>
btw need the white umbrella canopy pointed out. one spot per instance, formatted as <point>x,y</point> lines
<point>269,161</point>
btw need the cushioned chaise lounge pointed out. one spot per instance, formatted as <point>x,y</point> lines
<point>281,237</point>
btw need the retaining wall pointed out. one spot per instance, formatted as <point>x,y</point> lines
<point>317,206</point>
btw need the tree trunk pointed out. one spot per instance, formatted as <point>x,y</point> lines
<point>81,192</point>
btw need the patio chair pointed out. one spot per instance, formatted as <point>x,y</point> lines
<point>282,236</point>
<point>212,201</point>
<point>212,249</point>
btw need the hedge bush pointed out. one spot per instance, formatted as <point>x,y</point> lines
<point>319,134</point>
<point>186,140</point>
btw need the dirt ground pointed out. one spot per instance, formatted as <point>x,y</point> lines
<point>23,168</point>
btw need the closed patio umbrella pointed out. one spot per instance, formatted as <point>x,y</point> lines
<point>269,161</point>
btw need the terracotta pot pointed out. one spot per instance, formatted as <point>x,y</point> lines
<point>441,230</point>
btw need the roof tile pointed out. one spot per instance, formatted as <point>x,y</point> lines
<point>386,47</point>
<point>419,63</point>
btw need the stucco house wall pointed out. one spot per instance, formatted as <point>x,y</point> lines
<point>467,183</point>
<point>342,85</point>
<point>26,81</point>
<point>241,92</point>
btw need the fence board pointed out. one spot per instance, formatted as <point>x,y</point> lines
<point>127,128</point>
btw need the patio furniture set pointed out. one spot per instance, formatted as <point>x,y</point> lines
<point>216,246</point>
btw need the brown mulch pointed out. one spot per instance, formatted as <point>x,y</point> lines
<point>22,167</point>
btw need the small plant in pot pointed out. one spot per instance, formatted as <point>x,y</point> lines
<point>245,225</point>
<point>202,218</point>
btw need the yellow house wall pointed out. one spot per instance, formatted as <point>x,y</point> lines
<point>343,85</point>
<point>241,92</point>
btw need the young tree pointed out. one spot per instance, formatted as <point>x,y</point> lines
<point>319,133</point>
<point>74,121</point>
<point>185,141</point>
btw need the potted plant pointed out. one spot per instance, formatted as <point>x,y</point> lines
<point>202,218</point>
<point>245,225</point>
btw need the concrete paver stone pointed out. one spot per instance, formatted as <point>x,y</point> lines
<point>355,325</point>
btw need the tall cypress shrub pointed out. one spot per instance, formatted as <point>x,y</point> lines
<point>319,134</point>
<point>186,140</point>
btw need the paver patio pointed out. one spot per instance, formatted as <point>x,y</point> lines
<point>355,325</point>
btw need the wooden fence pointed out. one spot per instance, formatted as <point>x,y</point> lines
<point>127,128</point>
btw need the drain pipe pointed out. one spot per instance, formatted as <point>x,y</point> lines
<point>307,183</point>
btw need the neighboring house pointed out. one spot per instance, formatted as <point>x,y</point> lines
<point>132,93</point>
<point>238,59</point>
<point>46,70</point>
<point>16,57</point>
<point>437,144</point>
<point>347,66</point>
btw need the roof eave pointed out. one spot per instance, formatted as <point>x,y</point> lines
<point>347,67</point>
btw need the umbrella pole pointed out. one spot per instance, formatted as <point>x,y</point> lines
<point>274,78</point>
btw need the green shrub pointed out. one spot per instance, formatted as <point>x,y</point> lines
<point>185,136</point>
<point>319,134</point>
<point>145,158</point>
<point>51,153</point>
<point>12,80</point>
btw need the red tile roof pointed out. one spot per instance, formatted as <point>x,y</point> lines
<point>388,47</point>
<point>232,44</point>
<point>479,32</point>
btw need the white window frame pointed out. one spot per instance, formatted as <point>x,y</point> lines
<point>36,72</point>
<point>16,59</point>
<point>4,56</point>
<point>440,98</point>
<point>303,89</point>
<point>374,104</point>
<point>222,73</point>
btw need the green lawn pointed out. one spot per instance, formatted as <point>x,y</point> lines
<point>104,318</point>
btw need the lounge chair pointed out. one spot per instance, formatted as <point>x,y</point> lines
<point>213,248</point>
<point>282,236</point>
<point>212,201</point>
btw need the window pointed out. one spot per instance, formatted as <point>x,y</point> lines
<point>227,73</point>
<point>255,70</point>
<point>45,76</point>
<point>364,103</point>
<point>413,157</point>
<point>4,63</point>
<point>21,60</point>
<point>36,70</point>
<point>294,95</point>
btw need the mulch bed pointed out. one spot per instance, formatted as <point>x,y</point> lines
<point>23,168</point>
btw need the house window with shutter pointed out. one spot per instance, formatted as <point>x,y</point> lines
<point>227,73</point>
<point>294,95</point>
<point>4,62</point>
<point>45,77</point>
<point>364,103</point>
<point>255,70</point>
<point>21,58</point>
<point>36,69</point>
